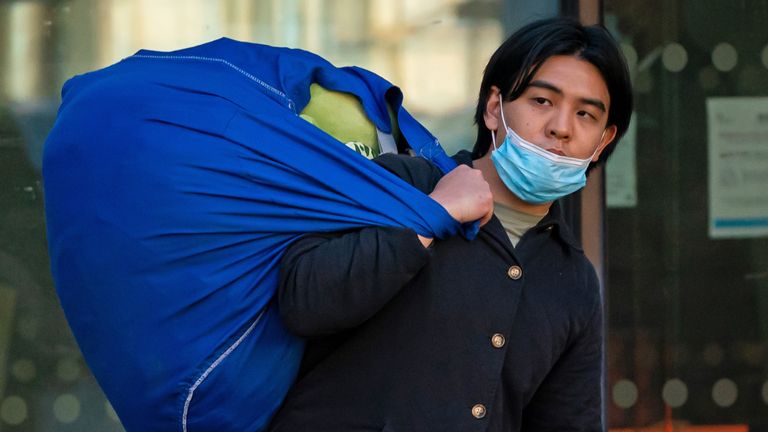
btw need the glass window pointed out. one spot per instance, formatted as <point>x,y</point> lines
<point>687,219</point>
<point>44,383</point>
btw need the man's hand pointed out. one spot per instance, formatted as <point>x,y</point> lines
<point>465,195</point>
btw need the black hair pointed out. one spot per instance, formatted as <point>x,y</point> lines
<point>513,65</point>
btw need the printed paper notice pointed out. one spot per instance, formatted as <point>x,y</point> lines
<point>621,173</point>
<point>738,166</point>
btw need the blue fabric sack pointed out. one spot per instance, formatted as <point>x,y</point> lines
<point>173,184</point>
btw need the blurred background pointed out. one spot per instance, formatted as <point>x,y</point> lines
<point>683,208</point>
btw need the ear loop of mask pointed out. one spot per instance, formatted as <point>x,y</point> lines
<point>602,137</point>
<point>501,110</point>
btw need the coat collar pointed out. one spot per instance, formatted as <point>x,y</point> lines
<point>553,220</point>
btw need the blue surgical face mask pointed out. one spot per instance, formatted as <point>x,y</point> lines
<point>535,175</point>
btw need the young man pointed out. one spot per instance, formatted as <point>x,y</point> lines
<point>502,333</point>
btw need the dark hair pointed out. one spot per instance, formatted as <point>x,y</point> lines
<point>516,61</point>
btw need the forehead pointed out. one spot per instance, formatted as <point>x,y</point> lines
<point>574,77</point>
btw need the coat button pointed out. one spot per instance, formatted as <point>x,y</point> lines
<point>498,340</point>
<point>515,272</point>
<point>478,411</point>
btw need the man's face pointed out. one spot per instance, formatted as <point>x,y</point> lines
<point>564,109</point>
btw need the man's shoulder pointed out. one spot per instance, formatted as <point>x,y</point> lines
<point>417,171</point>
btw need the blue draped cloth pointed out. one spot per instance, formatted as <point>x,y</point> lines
<point>173,184</point>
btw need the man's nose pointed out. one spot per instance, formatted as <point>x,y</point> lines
<point>560,126</point>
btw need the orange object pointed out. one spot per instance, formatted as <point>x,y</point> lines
<point>668,418</point>
<point>669,425</point>
<point>682,428</point>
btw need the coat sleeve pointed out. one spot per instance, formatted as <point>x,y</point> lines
<point>329,283</point>
<point>570,397</point>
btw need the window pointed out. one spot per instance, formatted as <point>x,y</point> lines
<point>687,233</point>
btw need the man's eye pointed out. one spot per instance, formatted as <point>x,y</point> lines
<point>541,100</point>
<point>586,114</point>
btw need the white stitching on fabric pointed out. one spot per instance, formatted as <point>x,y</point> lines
<point>225,62</point>
<point>212,367</point>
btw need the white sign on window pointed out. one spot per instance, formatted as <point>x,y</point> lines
<point>738,166</point>
<point>621,171</point>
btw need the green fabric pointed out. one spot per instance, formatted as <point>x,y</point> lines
<point>341,115</point>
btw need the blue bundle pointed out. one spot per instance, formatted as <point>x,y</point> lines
<point>173,184</point>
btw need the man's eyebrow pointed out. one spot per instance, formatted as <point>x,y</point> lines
<point>545,85</point>
<point>597,103</point>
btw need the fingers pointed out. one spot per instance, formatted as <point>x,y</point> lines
<point>488,216</point>
<point>465,194</point>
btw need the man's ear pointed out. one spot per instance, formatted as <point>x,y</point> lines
<point>608,135</point>
<point>492,113</point>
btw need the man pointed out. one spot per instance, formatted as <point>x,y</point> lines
<point>502,333</point>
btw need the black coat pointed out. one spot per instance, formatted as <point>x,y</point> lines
<point>463,336</point>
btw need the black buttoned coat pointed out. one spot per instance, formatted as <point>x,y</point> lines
<point>463,336</point>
